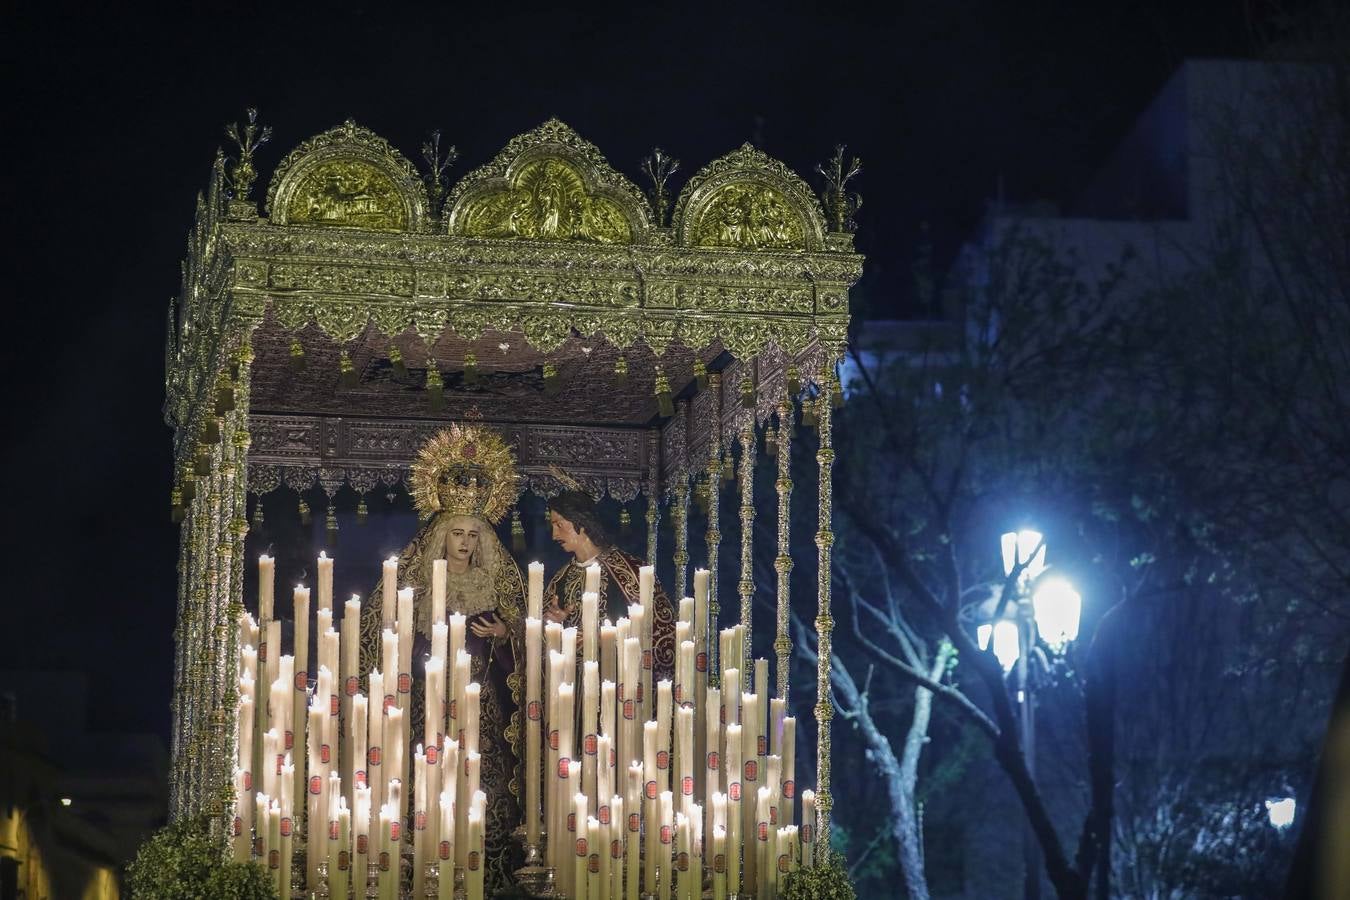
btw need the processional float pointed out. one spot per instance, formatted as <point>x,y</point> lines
<point>327,340</point>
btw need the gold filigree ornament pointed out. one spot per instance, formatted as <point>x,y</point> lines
<point>548,201</point>
<point>465,470</point>
<point>749,216</point>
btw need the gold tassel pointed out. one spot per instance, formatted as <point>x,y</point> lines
<point>551,383</point>
<point>202,466</point>
<point>305,517</point>
<point>517,534</point>
<point>297,355</point>
<point>471,377</point>
<point>665,402</point>
<point>701,496</point>
<point>212,433</point>
<point>362,511</point>
<point>331,524</point>
<point>794,381</point>
<point>189,488</point>
<point>836,394</point>
<point>435,385</point>
<point>177,512</point>
<point>258,518</point>
<point>346,371</point>
<point>625,522</point>
<point>396,360</point>
<point>809,417</point>
<point>224,397</point>
<point>621,371</point>
<point>700,374</point>
<point>771,440</point>
<point>728,469</point>
<point>747,393</point>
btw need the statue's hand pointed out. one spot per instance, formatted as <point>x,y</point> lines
<point>488,626</point>
<point>554,613</point>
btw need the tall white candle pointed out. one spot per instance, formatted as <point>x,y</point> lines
<point>274,846</point>
<point>375,740</point>
<point>789,768</point>
<point>473,693</point>
<point>473,874</point>
<point>592,584</point>
<point>317,815</point>
<point>325,582</point>
<point>261,804</point>
<point>732,770</point>
<point>239,834</point>
<point>664,702</point>
<point>267,575</point>
<point>434,717</point>
<point>361,841</point>
<point>445,858</point>
<point>750,784</point>
<point>299,720</point>
<point>287,784</point>
<point>666,832</point>
<point>533,721</point>
<point>419,821</point>
<point>650,792</point>
<point>405,648</point>
<point>396,755</point>
<point>534,607</point>
<point>590,707</point>
<point>762,875</point>
<point>719,862</point>
<point>632,809</point>
<point>712,735</point>
<point>590,634</point>
<point>438,570</point>
<point>581,854</point>
<point>440,645</point>
<point>807,832</point>
<point>389,591</point>
<point>349,676</point>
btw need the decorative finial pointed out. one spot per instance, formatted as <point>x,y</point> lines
<point>437,163</point>
<point>840,205</point>
<point>659,167</point>
<point>242,173</point>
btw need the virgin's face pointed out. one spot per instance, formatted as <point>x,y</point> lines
<point>463,540</point>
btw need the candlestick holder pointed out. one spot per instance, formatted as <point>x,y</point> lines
<point>372,881</point>
<point>534,876</point>
<point>431,880</point>
<point>320,891</point>
<point>461,893</point>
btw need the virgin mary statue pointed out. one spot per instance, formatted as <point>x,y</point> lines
<point>464,481</point>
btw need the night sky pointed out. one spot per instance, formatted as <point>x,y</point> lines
<point>114,117</point>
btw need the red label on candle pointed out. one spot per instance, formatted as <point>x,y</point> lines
<point>333,831</point>
<point>344,860</point>
<point>762,743</point>
<point>286,827</point>
<point>301,682</point>
<point>472,860</point>
<point>454,706</point>
<point>384,861</point>
<point>651,790</point>
<point>602,815</point>
<point>433,754</point>
<point>444,850</point>
<point>722,714</point>
<point>581,844</point>
<point>257,847</point>
<point>315,785</point>
<point>616,849</point>
<point>634,822</point>
<point>281,761</point>
<point>665,834</point>
<point>639,693</point>
<point>273,859</point>
<point>734,790</point>
<point>564,765</point>
<point>594,864</point>
<point>237,828</point>
<point>395,828</point>
<point>353,685</point>
<point>359,776</point>
<point>571,821</point>
<point>388,702</point>
<point>663,759</point>
<point>687,785</point>
<point>773,815</point>
<point>751,770</point>
<point>714,761</point>
<point>629,709</point>
<point>262,652</point>
<point>789,789</point>
<point>682,861</point>
<point>534,711</point>
<point>374,756</point>
<point>362,843</point>
<point>325,753</point>
<point>646,659</point>
<point>701,662</point>
<point>783,862</point>
<point>613,757</point>
<point>248,781</point>
<point>459,737</point>
<point>553,739</point>
<point>404,682</point>
<point>420,821</point>
<point>807,833</point>
<point>333,706</point>
<point>589,744</point>
<point>679,693</point>
<point>290,740</point>
<point>763,831</point>
<point>720,863</point>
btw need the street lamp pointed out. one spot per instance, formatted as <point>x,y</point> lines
<point>1057,608</point>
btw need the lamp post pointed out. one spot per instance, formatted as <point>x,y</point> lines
<point>1046,606</point>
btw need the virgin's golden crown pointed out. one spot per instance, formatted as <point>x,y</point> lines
<point>465,470</point>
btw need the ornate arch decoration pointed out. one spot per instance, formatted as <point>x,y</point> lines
<point>347,177</point>
<point>748,200</point>
<point>548,184</point>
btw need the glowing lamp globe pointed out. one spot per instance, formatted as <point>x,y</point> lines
<point>1280,811</point>
<point>1006,644</point>
<point>1057,608</point>
<point>1018,546</point>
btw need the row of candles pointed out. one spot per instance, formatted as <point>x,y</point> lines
<point>626,769</point>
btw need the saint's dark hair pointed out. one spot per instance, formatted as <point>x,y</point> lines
<point>578,508</point>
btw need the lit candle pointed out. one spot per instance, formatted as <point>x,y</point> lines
<point>604,780</point>
<point>789,769</point>
<point>564,788</point>
<point>361,827</point>
<point>733,770</point>
<point>271,762</point>
<point>274,847</point>
<point>419,821</point>
<point>664,701</point>
<point>438,571</point>
<point>592,585</point>
<point>396,753</point>
<point>607,723</point>
<point>445,850</point>
<point>317,783</point>
<point>269,654</point>
<point>375,740</point>
<point>569,652</point>
<point>287,824</point>
<point>631,678</point>
<point>388,838</point>
<point>389,592</point>
<point>473,876</point>
<point>581,856</point>
<point>590,635</point>
<point>609,654</point>
<point>712,736</point>
<point>463,668</point>
<point>450,790</point>
<point>684,744</point>
<point>750,784</point>
<point>261,804</point>
<point>325,582</point>
<point>534,608</point>
<point>666,806</point>
<point>473,693</point>
<point>649,809</point>
<point>617,827</point>
<point>684,694</point>
<point>440,645</point>
<point>355,767</point>
<point>719,862</point>
<point>597,868</point>
<point>245,756</point>
<point>533,721</point>
<point>807,832</point>
<point>468,788</point>
<point>632,805</point>
<point>590,705</point>
<point>642,682</point>
<point>339,882</point>
<point>267,575</point>
<point>349,675</point>
<point>301,675</point>
<point>239,835</point>
<point>683,842</point>
<point>763,874</point>
<point>405,648</point>
<point>435,703</point>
